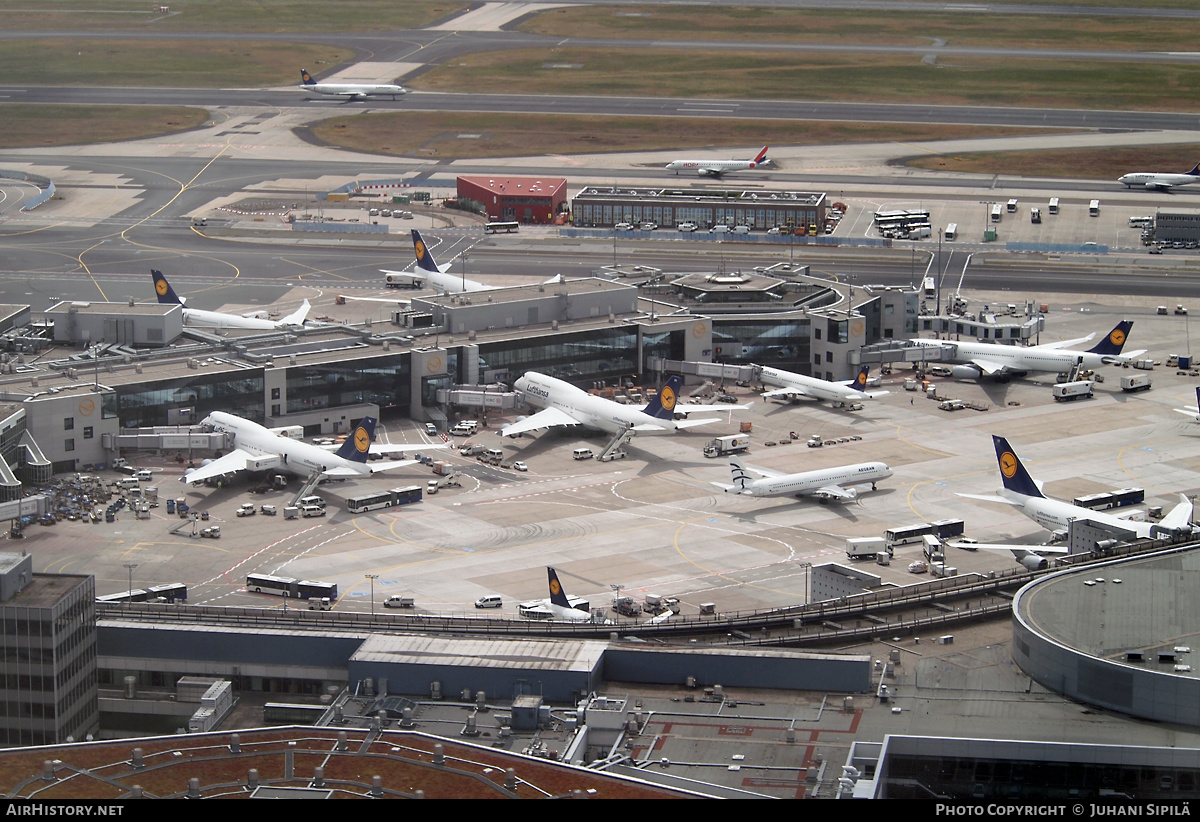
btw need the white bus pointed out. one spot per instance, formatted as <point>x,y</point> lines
<point>508,227</point>
<point>997,212</point>
<point>907,534</point>
<point>1094,208</point>
<point>951,231</point>
<point>929,288</point>
<point>1053,207</point>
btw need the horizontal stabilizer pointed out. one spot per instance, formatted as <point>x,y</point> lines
<point>992,498</point>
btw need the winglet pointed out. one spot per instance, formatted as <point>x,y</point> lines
<point>358,444</point>
<point>163,289</point>
<point>425,260</point>
<point>1112,344</point>
<point>1012,472</point>
<point>663,405</point>
<point>557,597</point>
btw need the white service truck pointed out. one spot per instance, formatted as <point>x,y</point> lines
<point>866,547</point>
<point>400,279</point>
<point>723,446</point>
<point>1069,391</point>
<point>1136,382</point>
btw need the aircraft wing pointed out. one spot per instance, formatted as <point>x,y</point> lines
<point>1048,550</point>
<point>691,408</point>
<point>992,498</point>
<point>834,492</point>
<point>681,424</point>
<point>1050,346</point>
<point>874,394</point>
<point>546,418</point>
<point>988,367</point>
<point>394,449</point>
<point>788,393</point>
<point>298,316</point>
<point>235,460</point>
<point>1179,518</point>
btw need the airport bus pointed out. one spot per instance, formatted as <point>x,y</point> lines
<point>930,287</point>
<point>946,528</point>
<point>907,534</point>
<point>290,587</point>
<point>1053,207</point>
<point>1094,208</point>
<point>171,592</point>
<point>370,502</point>
<point>508,227</point>
<point>904,216</point>
<point>951,231</point>
<point>997,212</point>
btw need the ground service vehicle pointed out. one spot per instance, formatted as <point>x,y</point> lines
<point>1012,206</point>
<point>732,444</point>
<point>490,601</point>
<point>1053,207</point>
<point>582,454</point>
<point>1138,382</point>
<point>866,547</point>
<point>1094,208</point>
<point>1068,391</point>
<point>399,279</point>
<point>290,587</point>
<point>398,601</point>
<point>507,226</point>
<point>951,231</point>
<point>997,212</point>
<point>1035,215</point>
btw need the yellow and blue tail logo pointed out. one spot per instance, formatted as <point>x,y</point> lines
<point>358,444</point>
<point>556,592</point>
<point>860,382</point>
<point>425,260</point>
<point>663,406</point>
<point>1012,472</point>
<point>163,289</point>
<point>1112,344</point>
<point>306,78</point>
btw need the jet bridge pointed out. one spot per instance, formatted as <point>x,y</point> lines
<point>708,370</point>
<point>905,351</point>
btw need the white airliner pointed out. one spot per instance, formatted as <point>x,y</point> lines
<point>825,484</point>
<point>564,404</point>
<point>197,318</point>
<point>1159,180</point>
<point>1192,411</point>
<point>1022,491</point>
<point>797,386</point>
<point>715,168</point>
<point>1000,362</point>
<point>438,276</point>
<point>351,91</point>
<point>260,449</point>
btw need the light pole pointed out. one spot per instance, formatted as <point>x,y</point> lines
<point>939,270</point>
<point>372,577</point>
<point>129,566</point>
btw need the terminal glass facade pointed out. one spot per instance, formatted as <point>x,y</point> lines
<point>383,382</point>
<point>588,355</point>
<point>239,393</point>
<point>776,341</point>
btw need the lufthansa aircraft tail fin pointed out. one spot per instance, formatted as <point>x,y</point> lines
<point>1114,341</point>
<point>163,289</point>
<point>1012,472</point>
<point>358,444</point>
<point>663,406</point>
<point>306,78</point>
<point>557,597</point>
<point>425,260</point>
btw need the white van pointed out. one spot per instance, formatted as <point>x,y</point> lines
<point>144,475</point>
<point>582,454</point>
<point>311,511</point>
<point>741,229</point>
<point>315,501</point>
<point>719,229</point>
<point>491,601</point>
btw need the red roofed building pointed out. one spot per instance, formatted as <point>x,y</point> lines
<point>519,199</point>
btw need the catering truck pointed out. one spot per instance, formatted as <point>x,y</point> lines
<point>723,446</point>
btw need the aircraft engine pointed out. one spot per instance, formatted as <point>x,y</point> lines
<point>1034,562</point>
<point>965,372</point>
<point>852,492</point>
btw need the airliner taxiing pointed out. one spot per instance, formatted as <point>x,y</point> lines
<point>1022,491</point>
<point>439,276</point>
<point>1160,180</point>
<point>351,91</point>
<point>715,168</point>
<point>824,484</point>
<point>197,318</point>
